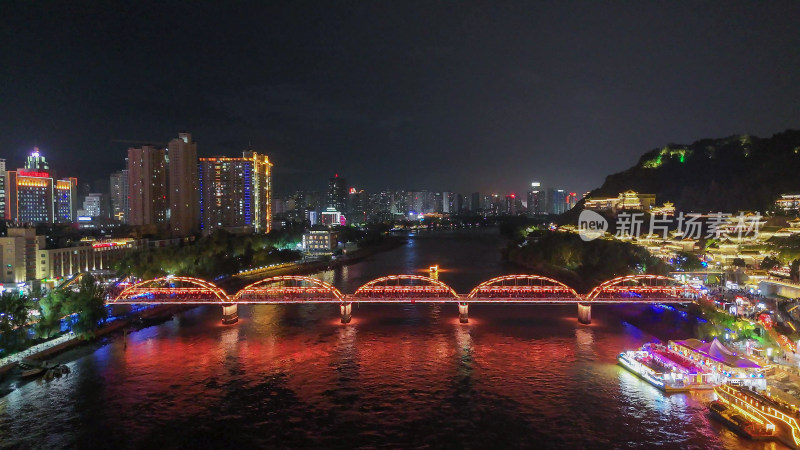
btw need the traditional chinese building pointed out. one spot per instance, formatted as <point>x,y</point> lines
<point>792,228</point>
<point>788,202</point>
<point>626,201</point>
<point>667,209</point>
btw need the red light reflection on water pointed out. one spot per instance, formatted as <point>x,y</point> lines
<point>390,367</point>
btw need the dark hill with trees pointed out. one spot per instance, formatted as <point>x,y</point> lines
<point>730,174</point>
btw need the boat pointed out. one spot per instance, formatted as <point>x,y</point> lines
<point>30,363</point>
<point>32,368</point>
<point>32,372</point>
<point>648,371</point>
<point>739,423</point>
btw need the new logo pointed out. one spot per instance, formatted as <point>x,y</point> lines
<point>591,225</point>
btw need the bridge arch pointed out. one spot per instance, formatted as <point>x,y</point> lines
<point>523,287</point>
<point>406,287</point>
<point>653,288</point>
<point>289,288</point>
<point>171,289</point>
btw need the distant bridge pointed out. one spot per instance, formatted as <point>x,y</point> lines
<point>527,289</point>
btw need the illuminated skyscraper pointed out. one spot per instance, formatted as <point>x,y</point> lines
<point>34,197</point>
<point>183,192</point>
<point>449,202</point>
<point>236,193</point>
<point>66,206</point>
<point>510,207</point>
<point>118,184</point>
<point>537,203</point>
<point>572,200</point>
<point>380,206</point>
<point>557,201</point>
<point>147,186</point>
<point>30,198</point>
<point>357,206</point>
<point>3,189</point>
<point>337,193</point>
<point>36,162</point>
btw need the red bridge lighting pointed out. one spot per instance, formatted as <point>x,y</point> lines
<point>507,288</point>
<point>407,288</point>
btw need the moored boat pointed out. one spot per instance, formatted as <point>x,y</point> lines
<point>640,363</point>
<point>32,372</point>
<point>739,422</point>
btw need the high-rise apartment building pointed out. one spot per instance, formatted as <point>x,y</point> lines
<point>3,189</point>
<point>557,201</point>
<point>381,206</point>
<point>462,203</point>
<point>474,201</point>
<point>183,190</point>
<point>537,204</point>
<point>118,183</point>
<point>399,204</point>
<point>66,207</point>
<point>147,186</point>
<point>357,206</point>
<point>448,199</point>
<point>314,202</point>
<point>337,193</point>
<point>511,205</point>
<point>572,200</point>
<point>262,191</point>
<point>236,193</point>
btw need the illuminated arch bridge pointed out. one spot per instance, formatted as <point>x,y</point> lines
<point>530,289</point>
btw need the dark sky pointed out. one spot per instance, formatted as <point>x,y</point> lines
<point>459,96</point>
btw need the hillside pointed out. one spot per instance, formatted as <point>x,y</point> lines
<point>729,174</point>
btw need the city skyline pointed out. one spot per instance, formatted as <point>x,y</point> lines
<point>171,187</point>
<point>422,92</point>
<point>314,185</point>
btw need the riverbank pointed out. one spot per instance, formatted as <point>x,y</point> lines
<point>68,341</point>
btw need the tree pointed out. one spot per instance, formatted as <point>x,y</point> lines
<point>14,311</point>
<point>89,304</point>
<point>769,263</point>
<point>687,262</point>
<point>794,270</point>
<point>51,310</point>
<point>566,257</point>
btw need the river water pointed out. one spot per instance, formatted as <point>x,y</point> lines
<point>399,376</point>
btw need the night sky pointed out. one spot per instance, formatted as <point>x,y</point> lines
<point>448,96</point>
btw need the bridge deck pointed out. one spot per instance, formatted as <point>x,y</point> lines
<point>520,289</point>
<point>347,299</point>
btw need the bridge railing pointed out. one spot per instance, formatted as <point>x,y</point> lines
<point>517,288</point>
<point>403,291</point>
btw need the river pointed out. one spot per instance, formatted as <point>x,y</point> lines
<point>397,376</point>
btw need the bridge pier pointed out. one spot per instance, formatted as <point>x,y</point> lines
<point>346,310</point>
<point>230,313</point>
<point>584,313</point>
<point>463,312</point>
